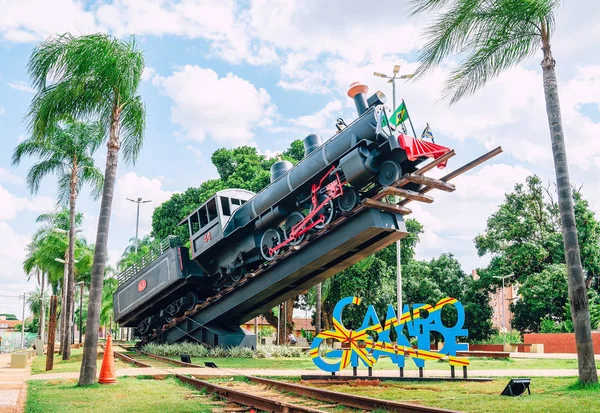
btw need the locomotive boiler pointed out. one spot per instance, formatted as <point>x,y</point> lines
<point>235,232</point>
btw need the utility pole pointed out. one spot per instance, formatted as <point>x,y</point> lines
<point>318,309</point>
<point>392,80</point>
<point>137,221</point>
<point>23,323</point>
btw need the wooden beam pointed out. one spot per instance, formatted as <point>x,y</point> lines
<point>427,181</point>
<point>435,162</point>
<point>461,170</point>
<point>472,164</point>
<point>384,206</point>
<point>405,193</point>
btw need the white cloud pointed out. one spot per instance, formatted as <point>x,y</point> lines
<point>196,152</point>
<point>9,178</point>
<point>11,204</point>
<point>454,219</point>
<point>148,73</point>
<point>222,23</point>
<point>21,86</point>
<point>12,278</point>
<point>35,20</point>
<point>134,186</point>
<point>225,109</point>
<point>354,29</point>
<point>2,110</point>
<point>321,121</point>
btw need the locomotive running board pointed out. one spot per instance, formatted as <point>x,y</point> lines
<point>217,323</point>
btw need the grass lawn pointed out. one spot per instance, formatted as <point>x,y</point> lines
<point>547,395</point>
<point>38,366</point>
<point>128,395</point>
<point>305,363</point>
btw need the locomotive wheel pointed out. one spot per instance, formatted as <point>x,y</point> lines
<point>349,199</point>
<point>143,327</point>
<point>238,275</point>
<point>270,239</point>
<point>190,301</point>
<point>166,316</point>
<point>329,211</point>
<point>389,173</point>
<point>290,222</point>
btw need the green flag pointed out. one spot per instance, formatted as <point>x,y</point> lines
<point>400,115</point>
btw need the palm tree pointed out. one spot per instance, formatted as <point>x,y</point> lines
<point>135,251</point>
<point>66,150</point>
<point>494,36</point>
<point>47,245</point>
<point>36,302</point>
<point>95,76</point>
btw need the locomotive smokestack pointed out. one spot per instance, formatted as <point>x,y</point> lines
<point>358,92</point>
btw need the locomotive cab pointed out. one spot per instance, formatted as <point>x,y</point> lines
<point>206,224</point>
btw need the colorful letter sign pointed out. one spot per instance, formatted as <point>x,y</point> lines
<point>360,346</point>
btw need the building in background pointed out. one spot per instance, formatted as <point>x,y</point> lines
<point>299,325</point>
<point>511,294</point>
<point>8,326</point>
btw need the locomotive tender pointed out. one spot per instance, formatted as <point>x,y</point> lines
<point>236,231</point>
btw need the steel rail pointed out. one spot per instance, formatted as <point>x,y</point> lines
<point>171,361</point>
<point>128,359</point>
<point>350,400</point>
<point>247,399</point>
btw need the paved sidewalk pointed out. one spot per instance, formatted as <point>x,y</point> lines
<point>13,386</point>
<point>564,356</point>
<point>208,372</point>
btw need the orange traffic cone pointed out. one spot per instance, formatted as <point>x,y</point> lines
<point>107,371</point>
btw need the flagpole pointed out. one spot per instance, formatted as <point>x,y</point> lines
<point>409,119</point>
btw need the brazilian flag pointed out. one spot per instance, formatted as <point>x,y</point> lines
<point>400,115</point>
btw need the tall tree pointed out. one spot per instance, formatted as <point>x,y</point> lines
<point>494,36</point>
<point>46,245</point>
<point>66,150</point>
<point>95,76</point>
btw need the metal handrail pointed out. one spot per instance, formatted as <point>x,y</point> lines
<point>169,242</point>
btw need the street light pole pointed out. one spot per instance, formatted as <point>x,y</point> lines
<point>392,80</point>
<point>137,221</point>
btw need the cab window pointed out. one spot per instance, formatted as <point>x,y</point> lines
<point>225,206</point>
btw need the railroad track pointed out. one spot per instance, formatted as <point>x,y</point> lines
<point>278,396</point>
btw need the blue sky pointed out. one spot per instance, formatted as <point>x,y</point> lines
<point>265,72</point>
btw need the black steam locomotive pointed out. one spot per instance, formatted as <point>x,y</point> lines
<point>236,231</point>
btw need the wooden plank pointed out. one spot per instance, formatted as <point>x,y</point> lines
<point>461,170</point>
<point>427,181</point>
<point>472,164</point>
<point>405,193</point>
<point>384,206</point>
<point>435,162</point>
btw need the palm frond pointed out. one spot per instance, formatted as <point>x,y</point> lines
<point>491,35</point>
<point>41,169</point>
<point>487,63</point>
<point>92,176</point>
<point>133,124</point>
<point>420,6</point>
